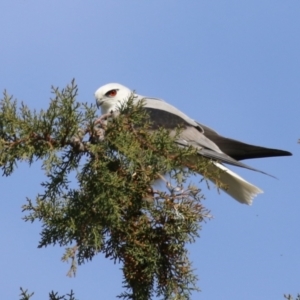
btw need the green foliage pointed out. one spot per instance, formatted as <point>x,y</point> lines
<point>25,295</point>
<point>52,296</point>
<point>290,297</point>
<point>98,194</point>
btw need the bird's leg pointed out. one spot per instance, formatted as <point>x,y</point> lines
<point>103,118</point>
<point>99,126</point>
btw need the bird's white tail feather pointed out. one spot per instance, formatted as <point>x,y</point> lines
<point>237,187</point>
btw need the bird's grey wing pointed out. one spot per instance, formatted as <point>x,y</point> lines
<point>192,137</point>
<point>158,104</point>
<point>162,114</point>
<point>239,150</point>
<point>167,116</point>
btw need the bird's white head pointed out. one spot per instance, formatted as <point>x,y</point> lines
<point>110,96</point>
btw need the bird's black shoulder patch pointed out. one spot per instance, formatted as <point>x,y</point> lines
<point>162,118</point>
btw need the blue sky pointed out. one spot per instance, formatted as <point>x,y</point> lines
<point>232,65</point>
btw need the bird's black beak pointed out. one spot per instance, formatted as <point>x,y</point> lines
<point>99,103</point>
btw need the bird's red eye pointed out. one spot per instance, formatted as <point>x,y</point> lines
<point>111,93</point>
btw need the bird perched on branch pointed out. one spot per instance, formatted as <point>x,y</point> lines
<point>208,142</point>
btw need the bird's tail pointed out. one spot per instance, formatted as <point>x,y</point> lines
<point>234,185</point>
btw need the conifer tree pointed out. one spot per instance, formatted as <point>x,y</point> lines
<point>99,195</point>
